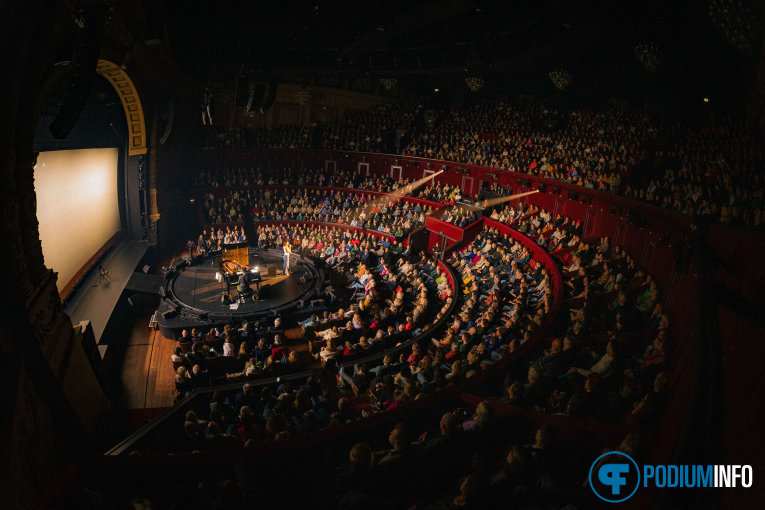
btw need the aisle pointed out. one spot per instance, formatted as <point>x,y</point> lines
<point>148,378</point>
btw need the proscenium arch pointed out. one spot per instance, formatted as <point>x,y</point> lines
<point>122,83</point>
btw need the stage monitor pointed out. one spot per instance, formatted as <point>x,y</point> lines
<point>77,206</point>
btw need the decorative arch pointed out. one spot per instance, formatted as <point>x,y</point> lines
<point>122,83</point>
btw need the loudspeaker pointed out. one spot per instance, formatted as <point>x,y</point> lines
<point>260,95</point>
<point>168,314</point>
<point>270,95</point>
<point>255,93</point>
<point>242,92</point>
<point>170,116</point>
<point>91,21</point>
<point>573,195</point>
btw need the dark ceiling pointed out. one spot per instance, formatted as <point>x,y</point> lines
<point>510,42</point>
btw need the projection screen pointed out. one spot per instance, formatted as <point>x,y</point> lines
<point>77,206</point>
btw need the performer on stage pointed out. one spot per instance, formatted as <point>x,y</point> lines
<point>244,283</point>
<point>287,250</point>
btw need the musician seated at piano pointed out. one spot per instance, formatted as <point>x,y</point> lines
<point>244,283</point>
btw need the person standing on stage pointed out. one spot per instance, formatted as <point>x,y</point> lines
<point>286,257</point>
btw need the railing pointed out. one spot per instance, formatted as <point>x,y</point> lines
<point>413,167</point>
<point>665,219</point>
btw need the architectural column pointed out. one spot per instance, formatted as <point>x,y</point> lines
<point>152,195</point>
<point>38,426</point>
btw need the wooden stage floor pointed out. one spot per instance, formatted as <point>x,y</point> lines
<point>147,376</point>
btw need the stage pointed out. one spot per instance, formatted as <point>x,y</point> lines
<point>193,296</point>
<point>96,298</point>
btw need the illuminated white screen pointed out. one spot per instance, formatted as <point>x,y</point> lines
<point>77,206</point>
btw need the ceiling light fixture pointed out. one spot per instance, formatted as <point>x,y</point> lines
<point>389,83</point>
<point>649,55</point>
<point>560,78</point>
<point>474,83</point>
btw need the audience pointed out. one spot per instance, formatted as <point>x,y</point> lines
<point>610,366</point>
<point>711,170</point>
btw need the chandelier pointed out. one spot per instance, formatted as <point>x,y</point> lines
<point>649,55</point>
<point>474,83</point>
<point>389,83</point>
<point>560,78</point>
<point>734,20</point>
<point>302,97</point>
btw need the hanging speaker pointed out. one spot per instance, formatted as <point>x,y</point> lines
<point>269,96</point>
<point>241,91</point>
<point>260,96</point>
<point>91,21</point>
<point>256,92</point>
<point>169,122</point>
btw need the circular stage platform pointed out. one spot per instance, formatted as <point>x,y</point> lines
<point>193,295</point>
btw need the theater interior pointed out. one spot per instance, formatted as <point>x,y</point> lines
<point>381,254</point>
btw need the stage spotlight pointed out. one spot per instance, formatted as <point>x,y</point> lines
<point>542,188</point>
<point>494,201</point>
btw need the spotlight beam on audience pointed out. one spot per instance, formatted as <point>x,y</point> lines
<point>399,193</point>
<point>402,192</point>
<point>494,201</point>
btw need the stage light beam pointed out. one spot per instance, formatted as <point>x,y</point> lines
<point>494,201</point>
